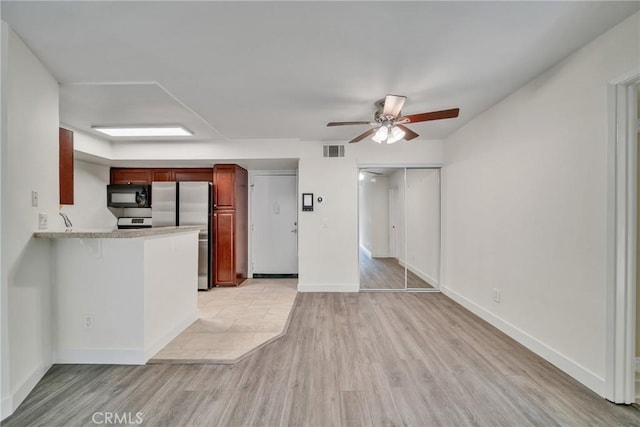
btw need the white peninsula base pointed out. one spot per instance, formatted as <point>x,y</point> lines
<point>120,300</point>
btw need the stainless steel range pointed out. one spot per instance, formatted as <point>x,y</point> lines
<point>129,222</point>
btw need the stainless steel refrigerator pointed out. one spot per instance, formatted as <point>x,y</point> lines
<point>187,203</point>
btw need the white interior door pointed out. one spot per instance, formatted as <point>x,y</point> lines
<point>274,230</point>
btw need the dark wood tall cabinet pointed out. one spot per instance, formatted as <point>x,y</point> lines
<point>230,224</point>
<point>66,166</point>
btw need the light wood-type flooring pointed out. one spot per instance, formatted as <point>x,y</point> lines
<point>387,273</point>
<point>348,359</point>
<point>233,322</point>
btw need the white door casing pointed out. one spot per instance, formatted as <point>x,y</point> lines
<point>622,171</point>
<point>274,216</point>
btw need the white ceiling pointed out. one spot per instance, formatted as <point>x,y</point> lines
<point>242,70</point>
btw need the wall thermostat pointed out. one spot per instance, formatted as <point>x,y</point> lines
<point>307,202</point>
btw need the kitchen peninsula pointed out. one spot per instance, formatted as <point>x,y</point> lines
<point>119,296</point>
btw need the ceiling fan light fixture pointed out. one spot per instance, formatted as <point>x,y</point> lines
<point>396,135</point>
<point>381,134</point>
<point>389,121</point>
<point>139,131</point>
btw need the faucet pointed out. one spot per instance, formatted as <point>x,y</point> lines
<point>67,221</point>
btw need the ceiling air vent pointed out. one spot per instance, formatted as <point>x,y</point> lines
<point>333,151</point>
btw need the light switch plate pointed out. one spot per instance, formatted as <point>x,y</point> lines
<point>34,199</point>
<point>42,221</point>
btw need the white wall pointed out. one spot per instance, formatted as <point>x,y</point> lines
<point>374,215</point>
<point>524,199</point>
<point>140,293</point>
<point>328,238</point>
<point>364,234</point>
<point>30,162</point>
<point>97,148</point>
<point>397,182</point>
<point>89,209</point>
<point>380,211</point>
<point>418,221</point>
<point>423,224</point>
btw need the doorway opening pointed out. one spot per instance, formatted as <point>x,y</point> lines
<point>273,227</point>
<point>399,229</point>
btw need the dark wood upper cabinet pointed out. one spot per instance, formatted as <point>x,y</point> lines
<point>65,141</point>
<point>224,189</point>
<point>131,176</point>
<point>162,175</point>
<point>193,174</point>
<point>148,175</point>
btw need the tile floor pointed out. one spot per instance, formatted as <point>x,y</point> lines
<point>233,322</point>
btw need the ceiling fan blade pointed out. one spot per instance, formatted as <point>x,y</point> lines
<point>393,105</point>
<point>346,123</point>
<point>433,115</point>
<point>364,135</point>
<point>408,133</point>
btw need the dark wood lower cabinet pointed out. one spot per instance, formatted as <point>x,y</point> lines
<point>224,249</point>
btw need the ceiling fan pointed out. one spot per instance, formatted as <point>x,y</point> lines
<point>390,125</point>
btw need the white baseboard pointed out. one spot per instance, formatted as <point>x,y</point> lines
<point>380,255</point>
<point>421,274</point>
<point>122,356</point>
<point>100,356</point>
<point>328,287</point>
<point>580,373</point>
<point>5,407</point>
<point>162,341</point>
<point>366,251</point>
<point>10,403</point>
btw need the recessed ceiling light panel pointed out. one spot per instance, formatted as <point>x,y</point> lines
<point>139,131</point>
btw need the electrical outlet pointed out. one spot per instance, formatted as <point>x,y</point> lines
<point>88,322</point>
<point>496,295</point>
<point>34,199</point>
<point>42,221</point>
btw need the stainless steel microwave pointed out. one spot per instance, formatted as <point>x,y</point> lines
<point>128,196</point>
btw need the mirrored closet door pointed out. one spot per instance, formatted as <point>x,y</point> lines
<point>399,229</point>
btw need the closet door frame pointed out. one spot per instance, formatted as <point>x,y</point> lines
<point>405,167</point>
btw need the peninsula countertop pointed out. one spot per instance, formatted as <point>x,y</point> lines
<point>114,234</point>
